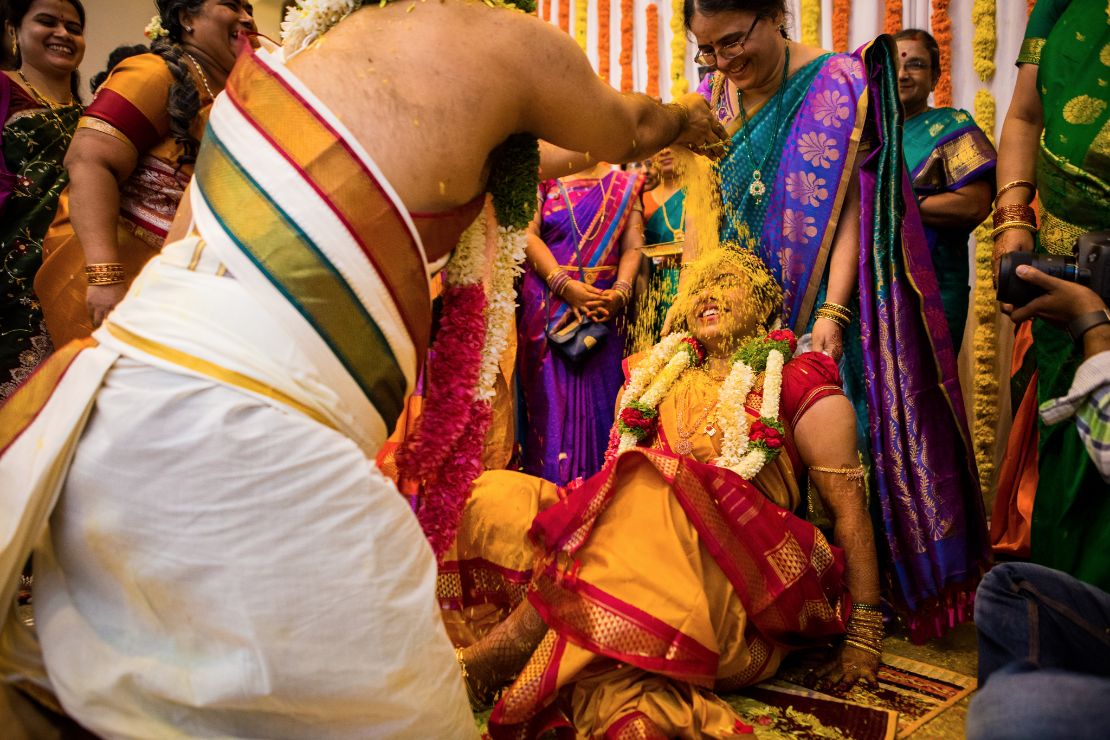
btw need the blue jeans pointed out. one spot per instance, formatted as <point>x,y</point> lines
<point>1044,656</point>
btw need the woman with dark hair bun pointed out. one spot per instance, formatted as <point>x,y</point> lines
<point>39,108</point>
<point>131,159</point>
<point>816,174</point>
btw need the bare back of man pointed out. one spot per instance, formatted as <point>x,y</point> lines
<point>431,88</point>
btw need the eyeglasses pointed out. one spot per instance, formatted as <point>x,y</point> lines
<point>728,52</point>
<point>916,65</point>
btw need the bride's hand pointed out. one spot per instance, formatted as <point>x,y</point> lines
<point>847,667</point>
<point>828,338</point>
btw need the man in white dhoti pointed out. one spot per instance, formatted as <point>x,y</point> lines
<point>215,553</point>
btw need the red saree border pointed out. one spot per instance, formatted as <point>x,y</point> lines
<point>480,581</point>
<point>633,726</point>
<point>119,112</point>
<point>575,609</point>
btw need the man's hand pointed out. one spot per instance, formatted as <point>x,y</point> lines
<point>1063,301</point>
<point>703,133</point>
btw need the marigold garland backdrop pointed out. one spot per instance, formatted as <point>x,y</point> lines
<point>833,24</point>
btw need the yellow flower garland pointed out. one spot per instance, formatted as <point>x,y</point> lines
<point>811,22</point>
<point>581,23</point>
<point>984,340</point>
<point>985,38</point>
<point>679,85</point>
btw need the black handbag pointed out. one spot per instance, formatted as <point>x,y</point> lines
<point>576,340</point>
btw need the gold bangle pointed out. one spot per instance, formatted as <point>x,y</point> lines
<point>1015,184</point>
<point>867,607</point>
<point>830,304</point>
<point>1013,225</point>
<point>1017,212</point>
<point>105,279</point>
<point>866,648</point>
<point>103,267</point>
<point>838,319</point>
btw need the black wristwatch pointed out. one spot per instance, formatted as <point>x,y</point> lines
<point>1080,325</point>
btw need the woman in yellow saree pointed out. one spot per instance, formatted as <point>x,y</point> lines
<point>678,569</point>
<point>130,161</point>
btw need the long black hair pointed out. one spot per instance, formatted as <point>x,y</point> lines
<point>14,11</point>
<point>184,101</point>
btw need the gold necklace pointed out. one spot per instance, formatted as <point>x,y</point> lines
<point>39,97</point>
<point>684,446</point>
<point>203,76</point>
<point>595,226</point>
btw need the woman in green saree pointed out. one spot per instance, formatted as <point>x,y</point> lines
<point>1055,145</point>
<point>40,107</point>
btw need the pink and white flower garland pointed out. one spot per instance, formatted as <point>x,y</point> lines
<point>446,450</point>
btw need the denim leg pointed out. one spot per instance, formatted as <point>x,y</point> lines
<point>1026,612</point>
<point>1022,702</point>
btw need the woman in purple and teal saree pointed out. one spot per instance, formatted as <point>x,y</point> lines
<point>583,247</point>
<point>816,175</point>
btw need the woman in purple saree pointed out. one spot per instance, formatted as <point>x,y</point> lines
<point>816,172</point>
<point>583,254</point>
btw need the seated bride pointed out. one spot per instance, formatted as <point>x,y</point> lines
<point>621,604</point>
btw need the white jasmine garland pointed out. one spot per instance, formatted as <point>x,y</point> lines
<point>468,261</point>
<point>500,306</point>
<point>731,414</point>
<point>772,385</point>
<point>660,384</point>
<point>309,19</point>
<point>646,370</point>
<point>154,29</point>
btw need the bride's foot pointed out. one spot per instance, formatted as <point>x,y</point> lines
<point>491,663</point>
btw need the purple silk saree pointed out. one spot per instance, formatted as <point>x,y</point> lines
<point>900,365</point>
<point>569,408</point>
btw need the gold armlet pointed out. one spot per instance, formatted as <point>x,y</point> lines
<point>857,473</point>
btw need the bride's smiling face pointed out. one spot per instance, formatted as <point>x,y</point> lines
<point>719,311</point>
